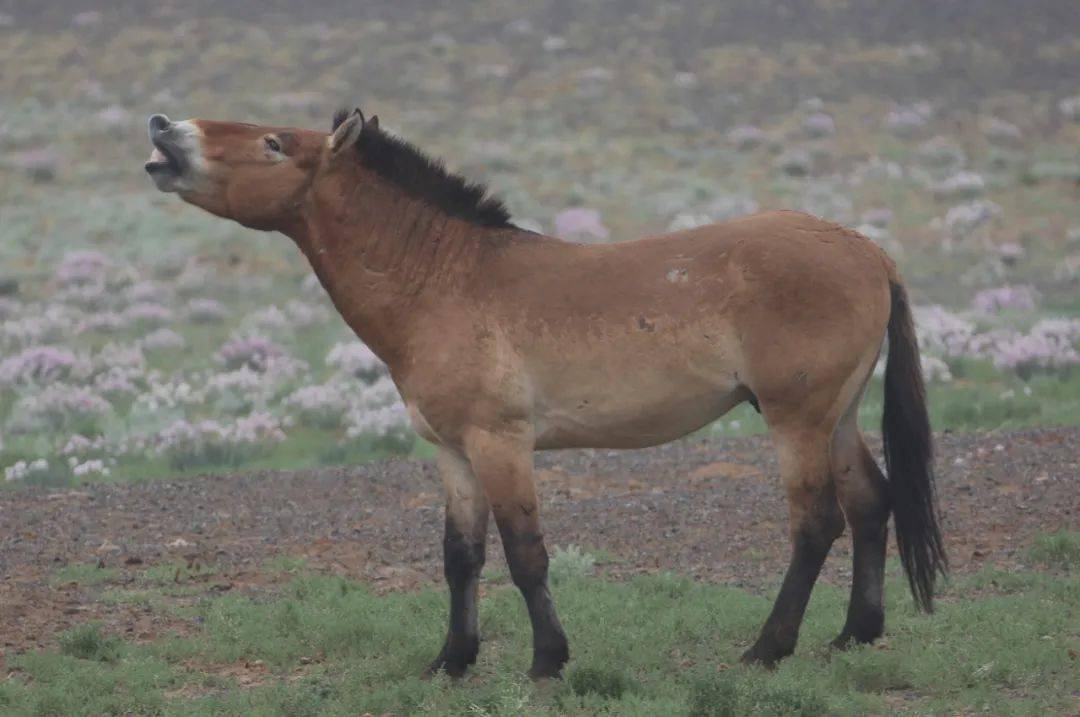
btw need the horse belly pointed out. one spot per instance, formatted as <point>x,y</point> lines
<point>634,419</point>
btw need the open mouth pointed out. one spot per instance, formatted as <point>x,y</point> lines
<point>164,159</point>
<point>169,163</point>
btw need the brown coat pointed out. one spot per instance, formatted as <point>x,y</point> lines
<point>502,341</point>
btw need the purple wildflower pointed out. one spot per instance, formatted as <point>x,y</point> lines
<point>580,224</point>
<point>1005,298</point>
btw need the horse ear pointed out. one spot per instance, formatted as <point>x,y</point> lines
<point>374,122</point>
<point>347,132</point>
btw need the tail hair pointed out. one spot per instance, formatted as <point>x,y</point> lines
<point>909,456</point>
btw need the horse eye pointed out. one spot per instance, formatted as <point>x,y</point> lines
<point>273,144</point>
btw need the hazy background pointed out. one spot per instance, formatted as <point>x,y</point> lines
<point>142,338</point>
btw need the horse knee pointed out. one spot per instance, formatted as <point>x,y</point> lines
<point>463,555</point>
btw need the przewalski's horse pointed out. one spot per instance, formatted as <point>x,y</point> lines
<point>503,341</point>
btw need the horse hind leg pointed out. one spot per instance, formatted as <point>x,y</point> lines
<point>816,521</point>
<point>863,494</point>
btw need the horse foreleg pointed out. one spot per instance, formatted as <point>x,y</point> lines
<point>464,544</point>
<point>503,463</point>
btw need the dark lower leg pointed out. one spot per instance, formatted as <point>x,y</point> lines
<point>528,562</point>
<point>781,630</point>
<point>463,559</point>
<point>866,615</point>
<point>864,494</point>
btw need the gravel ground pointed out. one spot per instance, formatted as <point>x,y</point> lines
<point>710,508</point>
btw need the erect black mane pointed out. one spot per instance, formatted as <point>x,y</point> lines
<point>425,177</point>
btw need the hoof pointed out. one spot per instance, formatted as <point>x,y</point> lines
<point>455,670</point>
<point>542,673</point>
<point>764,656</point>
<point>863,632</point>
<point>846,640</point>
<point>453,659</point>
<point>549,665</point>
<point>753,659</point>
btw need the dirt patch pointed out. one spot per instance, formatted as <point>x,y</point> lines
<point>712,509</point>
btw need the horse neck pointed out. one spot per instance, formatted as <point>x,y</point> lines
<point>383,257</point>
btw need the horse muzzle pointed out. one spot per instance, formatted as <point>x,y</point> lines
<point>170,162</point>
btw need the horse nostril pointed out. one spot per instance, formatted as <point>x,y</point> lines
<point>159,123</point>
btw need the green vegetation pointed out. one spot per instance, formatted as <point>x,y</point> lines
<point>979,399</point>
<point>84,574</point>
<point>1061,549</point>
<point>1000,643</point>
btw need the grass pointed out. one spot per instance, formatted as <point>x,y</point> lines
<point>978,399</point>
<point>1060,549</point>
<point>1001,643</point>
<point>85,574</point>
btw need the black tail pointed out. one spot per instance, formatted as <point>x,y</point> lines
<point>909,456</point>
